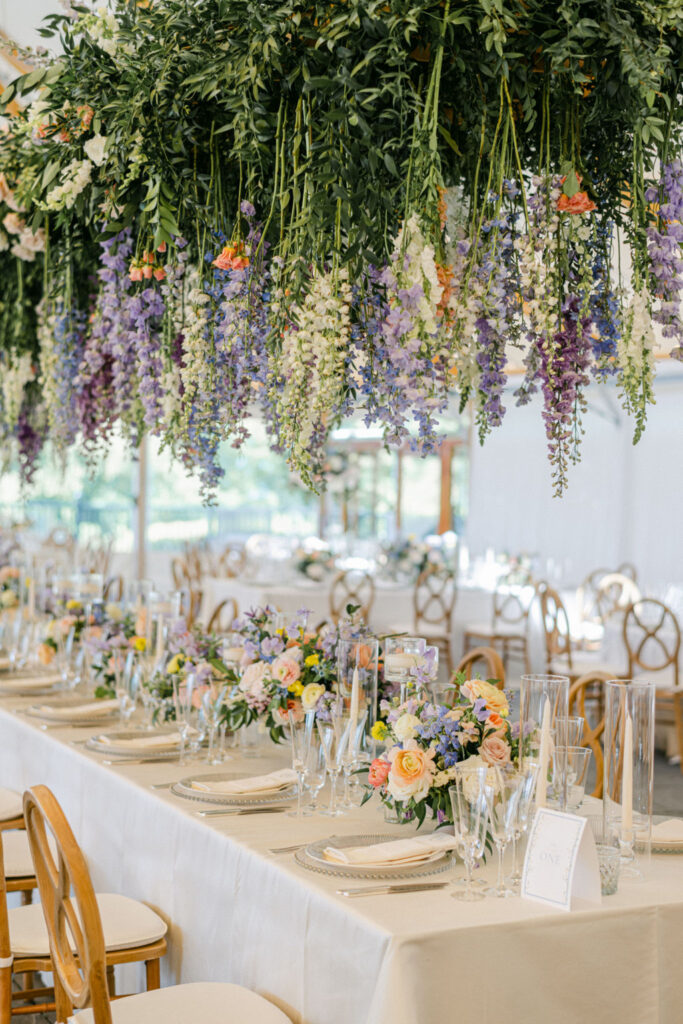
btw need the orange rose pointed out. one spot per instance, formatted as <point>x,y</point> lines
<point>494,721</point>
<point>578,203</point>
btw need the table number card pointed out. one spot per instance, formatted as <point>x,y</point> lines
<point>561,863</point>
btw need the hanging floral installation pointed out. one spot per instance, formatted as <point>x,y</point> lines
<point>310,210</point>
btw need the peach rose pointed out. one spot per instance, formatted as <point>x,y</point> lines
<point>411,771</point>
<point>377,774</point>
<point>578,203</point>
<point>46,654</point>
<point>480,689</point>
<point>495,751</point>
<point>286,670</point>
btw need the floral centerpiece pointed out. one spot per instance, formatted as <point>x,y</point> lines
<point>60,627</point>
<point>284,668</point>
<point>190,650</point>
<point>315,564</point>
<point>108,643</point>
<point>10,584</point>
<point>425,740</point>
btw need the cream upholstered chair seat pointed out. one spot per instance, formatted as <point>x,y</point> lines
<point>582,662</point>
<point>126,923</point>
<point>485,629</point>
<point>208,1003</point>
<point>11,805</point>
<point>17,854</point>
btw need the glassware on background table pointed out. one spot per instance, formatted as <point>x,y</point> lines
<point>232,650</point>
<point>542,699</point>
<point>609,854</point>
<point>184,692</point>
<point>357,665</point>
<point>525,807</point>
<point>300,732</point>
<point>122,665</point>
<point>334,736</point>
<point>503,793</point>
<point>577,761</point>
<point>629,744</point>
<point>470,818</point>
<point>568,730</point>
<point>213,700</point>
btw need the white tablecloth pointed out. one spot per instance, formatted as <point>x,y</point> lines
<point>239,914</point>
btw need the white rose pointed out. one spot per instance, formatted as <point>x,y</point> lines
<point>94,149</point>
<point>33,242</point>
<point>253,679</point>
<point>405,727</point>
<point>13,224</point>
<point>22,253</point>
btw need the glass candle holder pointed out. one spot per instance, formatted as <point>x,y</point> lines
<point>542,699</point>
<point>357,662</point>
<point>629,741</point>
<point>401,655</point>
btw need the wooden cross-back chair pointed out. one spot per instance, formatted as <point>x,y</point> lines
<point>489,658</point>
<point>433,602</point>
<point>190,605</point>
<point>508,632</point>
<point>628,569</point>
<point>178,573</point>
<point>113,589</point>
<point>223,616</point>
<point>351,586</point>
<point>77,941</point>
<point>562,658</point>
<point>616,592</point>
<point>587,597</point>
<point>587,699</point>
<point>652,637</point>
<point>231,562</point>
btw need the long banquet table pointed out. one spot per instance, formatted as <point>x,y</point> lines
<point>241,914</point>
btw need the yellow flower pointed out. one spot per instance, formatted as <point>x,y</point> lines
<point>312,693</point>
<point>379,731</point>
<point>175,664</point>
<point>139,643</point>
<point>296,689</point>
<point>73,605</point>
<point>311,660</point>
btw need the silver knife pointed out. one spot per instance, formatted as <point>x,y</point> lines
<point>241,810</point>
<point>140,760</point>
<point>389,890</point>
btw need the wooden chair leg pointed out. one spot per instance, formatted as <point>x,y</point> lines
<point>678,719</point>
<point>63,1007</point>
<point>111,980</point>
<point>26,897</point>
<point>5,995</point>
<point>153,974</point>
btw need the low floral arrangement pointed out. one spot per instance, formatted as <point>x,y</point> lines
<point>285,668</point>
<point>424,742</point>
<point>191,650</point>
<point>9,587</point>
<point>409,557</point>
<point>108,644</point>
<point>314,565</point>
<point>59,628</point>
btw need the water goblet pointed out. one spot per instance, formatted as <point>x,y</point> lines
<point>470,816</point>
<point>502,797</point>
<point>577,760</point>
<point>334,737</point>
<point>316,773</point>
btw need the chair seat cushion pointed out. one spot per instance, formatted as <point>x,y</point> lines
<point>502,629</point>
<point>11,804</point>
<point>125,922</point>
<point>17,854</point>
<point>582,662</point>
<point>209,1003</point>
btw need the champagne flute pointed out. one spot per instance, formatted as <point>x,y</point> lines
<point>316,773</point>
<point>183,694</point>
<point>334,737</point>
<point>529,771</point>
<point>212,705</point>
<point>300,737</point>
<point>470,817</point>
<point>502,797</point>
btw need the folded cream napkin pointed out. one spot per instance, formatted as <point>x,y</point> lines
<point>398,851</point>
<point>164,741</point>
<point>93,709</point>
<point>271,783</point>
<point>669,831</point>
<point>28,682</point>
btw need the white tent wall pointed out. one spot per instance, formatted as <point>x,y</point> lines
<point>622,503</point>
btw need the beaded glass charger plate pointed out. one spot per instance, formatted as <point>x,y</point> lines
<point>131,743</point>
<point>28,685</point>
<point>311,857</point>
<point>660,845</point>
<point>58,713</point>
<point>185,788</point>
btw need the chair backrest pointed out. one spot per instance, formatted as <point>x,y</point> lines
<point>190,604</point>
<point>615,594</point>
<point>351,586</point>
<point>555,625</point>
<point>231,562</point>
<point>223,616</point>
<point>587,699</point>
<point>627,569</point>
<point>587,597</point>
<point>652,637</point>
<point>511,603</point>
<point>69,905</point>
<point>491,659</point>
<point>433,600</point>
<point>178,572</point>
<point>113,589</point>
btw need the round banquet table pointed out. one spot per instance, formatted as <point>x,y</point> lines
<point>240,914</point>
